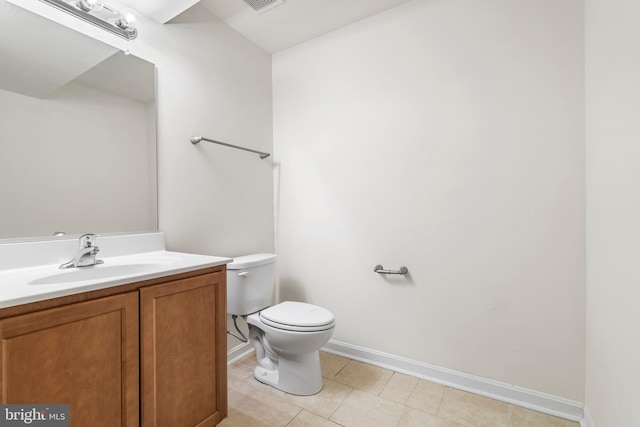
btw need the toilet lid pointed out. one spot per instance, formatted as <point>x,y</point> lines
<point>298,316</point>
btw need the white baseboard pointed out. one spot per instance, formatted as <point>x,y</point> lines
<point>587,421</point>
<point>238,352</point>
<point>530,399</point>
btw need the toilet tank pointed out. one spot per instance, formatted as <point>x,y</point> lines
<point>250,283</point>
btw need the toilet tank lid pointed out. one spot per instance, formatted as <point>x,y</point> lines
<point>253,260</point>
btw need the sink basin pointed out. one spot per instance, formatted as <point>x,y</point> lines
<point>108,270</point>
<point>92,273</point>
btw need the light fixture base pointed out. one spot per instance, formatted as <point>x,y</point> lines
<point>127,34</point>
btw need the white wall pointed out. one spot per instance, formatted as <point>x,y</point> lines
<point>213,82</point>
<point>613,210</point>
<point>446,136</point>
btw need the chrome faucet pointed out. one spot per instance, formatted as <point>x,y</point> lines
<point>86,255</point>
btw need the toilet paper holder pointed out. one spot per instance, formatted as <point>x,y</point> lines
<point>380,270</point>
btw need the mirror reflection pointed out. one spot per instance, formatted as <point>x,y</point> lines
<point>77,132</point>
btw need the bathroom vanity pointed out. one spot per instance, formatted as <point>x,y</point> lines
<point>143,344</point>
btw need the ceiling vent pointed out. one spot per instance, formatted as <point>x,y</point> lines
<point>261,6</point>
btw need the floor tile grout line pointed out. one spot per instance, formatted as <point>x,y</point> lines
<point>404,404</point>
<point>385,385</point>
<point>441,400</point>
<point>341,403</point>
<point>415,386</point>
<point>344,366</point>
<point>294,417</point>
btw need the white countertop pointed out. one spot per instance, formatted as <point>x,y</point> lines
<point>42,282</point>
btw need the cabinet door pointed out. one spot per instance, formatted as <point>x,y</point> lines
<point>183,352</point>
<point>84,355</point>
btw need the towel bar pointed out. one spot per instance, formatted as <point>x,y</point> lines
<point>380,270</point>
<point>195,139</point>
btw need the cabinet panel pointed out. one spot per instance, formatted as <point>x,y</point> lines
<point>84,354</point>
<point>183,352</point>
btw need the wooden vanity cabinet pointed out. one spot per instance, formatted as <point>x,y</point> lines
<point>152,355</point>
<point>84,355</point>
<point>183,352</point>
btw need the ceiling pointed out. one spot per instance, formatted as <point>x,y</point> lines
<point>294,22</point>
<point>283,26</point>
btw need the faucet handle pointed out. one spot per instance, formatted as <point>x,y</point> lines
<point>88,240</point>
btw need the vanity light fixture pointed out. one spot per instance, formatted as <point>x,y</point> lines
<point>119,22</point>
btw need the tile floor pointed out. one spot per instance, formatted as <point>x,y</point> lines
<point>356,394</point>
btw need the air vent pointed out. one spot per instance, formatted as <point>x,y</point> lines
<point>261,6</point>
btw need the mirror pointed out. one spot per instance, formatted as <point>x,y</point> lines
<point>77,132</point>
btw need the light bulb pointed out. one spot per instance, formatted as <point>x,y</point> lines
<point>127,20</point>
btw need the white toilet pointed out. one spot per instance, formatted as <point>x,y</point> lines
<point>286,336</point>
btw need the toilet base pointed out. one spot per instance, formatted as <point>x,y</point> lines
<point>298,374</point>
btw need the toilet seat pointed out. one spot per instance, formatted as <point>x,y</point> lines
<point>298,316</point>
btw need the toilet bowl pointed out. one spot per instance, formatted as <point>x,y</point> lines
<point>287,337</point>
